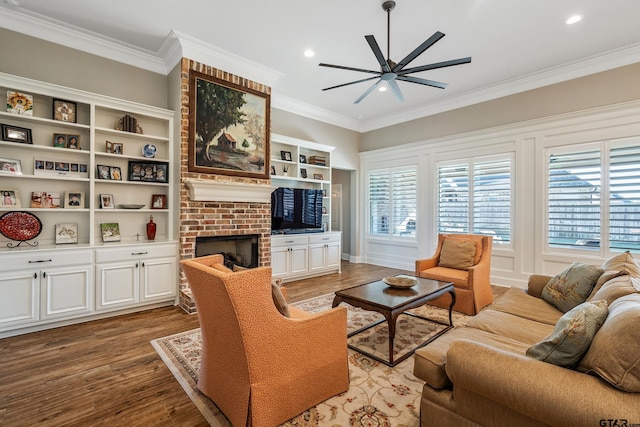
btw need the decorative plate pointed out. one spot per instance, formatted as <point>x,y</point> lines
<point>131,206</point>
<point>400,282</point>
<point>149,150</point>
<point>20,225</point>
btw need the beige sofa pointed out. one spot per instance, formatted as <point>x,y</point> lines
<point>479,374</point>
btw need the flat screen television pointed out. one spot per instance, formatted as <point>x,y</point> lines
<point>296,208</point>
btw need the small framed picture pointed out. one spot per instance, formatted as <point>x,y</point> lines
<point>44,200</point>
<point>73,142</point>
<point>64,111</point>
<point>285,155</point>
<point>303,158</point>
<point>104,172</point>
<point>303,173</point>
<point>19,103</point>
<point>66,233</point>
<point>325,226</point>
<point>10,166</point>
<point>106,201</point>
<point>38,165</point>
<point>114,147</point>
<point>115,173</point>
<point>16,134</point>
<point>10,198</point>
<point>318,176</point>
<point>110,232</point>
<point>74,199</point>
<point>324,193</point>
<point>59,140</point>
<point>324,210</point>
<point>273,170</point>
<point>158,201</point>
<point>62,167</point>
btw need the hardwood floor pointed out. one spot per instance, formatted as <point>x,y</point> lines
<point>105,372</point>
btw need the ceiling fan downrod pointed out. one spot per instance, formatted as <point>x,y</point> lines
<point>388,6</point>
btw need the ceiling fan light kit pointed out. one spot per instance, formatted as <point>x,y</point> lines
<point>390,72</point>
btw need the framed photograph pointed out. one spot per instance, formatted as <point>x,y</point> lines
<point>148,171</point>
<point>106,201</point>
<point>16,134</point>
<point>158,201</point>
<point>110,232</point>
<point>73,142</point>
<point>59,140</point>
<point>115,173</point>
<point>318,176</point>
<point>229,128</point>
<point>114,147</point>
<point>273,170</point>
<point>10,198</point>
<point>324,210</point>
<point>303,158</point>
<point>303,173</point>
<point>65,111</point>
<point>285,155</point>
<point>62,167</point>
<point>74,199</point>
<point>66,233</point>
<point>45,200</point>
<point>10,166</point>
<point>19,103</point>
<point>104,172</point>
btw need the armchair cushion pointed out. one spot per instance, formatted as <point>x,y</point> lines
<point>279,300</point>
<point>572,335</point>
<point>458,254</point>
<point>572,286</point>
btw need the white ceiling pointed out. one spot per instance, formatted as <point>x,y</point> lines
<point>516,45</point>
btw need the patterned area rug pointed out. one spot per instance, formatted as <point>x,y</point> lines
<point>378,395</point>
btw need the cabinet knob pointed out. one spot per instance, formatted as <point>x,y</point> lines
<point>35,275</point>
<point>137,265</point>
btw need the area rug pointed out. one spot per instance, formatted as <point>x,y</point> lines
<point>378,395</point>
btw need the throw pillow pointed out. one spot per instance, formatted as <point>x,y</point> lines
<point>279,300</point>
<point>457,254</point>
<point>614,354</point>
<point>237,268</point>
<point>606,276</point>
<point>618,287</point>
<point>623,262</point>
<point>572,286</point>
<point>572,335</point>
<point>222,267</point>
<point>475,238</point>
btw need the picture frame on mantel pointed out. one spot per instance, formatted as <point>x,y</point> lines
<point>235,142</point>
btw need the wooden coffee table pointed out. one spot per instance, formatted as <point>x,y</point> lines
<point>391,303</point>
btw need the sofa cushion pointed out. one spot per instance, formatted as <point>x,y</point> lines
<point>614,354</point>
<point>510,326</point>
<point>572,335</point>
<point>623,262</point>
<point>606,276</point>
<point>572,286</point>
<point>519,303</point>
<point>617,287</point>
<point>458,254</point>
<point>476,238</point>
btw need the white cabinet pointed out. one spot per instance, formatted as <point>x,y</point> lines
<point>289,256</point>
<point>305,255</point>
<point>324,252</point>
<point>66,291</point>
<point>135,275</point>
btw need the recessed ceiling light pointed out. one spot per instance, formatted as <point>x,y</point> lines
<point>382,89</point>
<point>309,53</point>
<point>573,19</point>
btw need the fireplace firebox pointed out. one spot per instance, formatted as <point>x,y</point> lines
<point>240,250</point>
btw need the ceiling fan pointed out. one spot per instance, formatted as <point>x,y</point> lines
<point>390,71</point>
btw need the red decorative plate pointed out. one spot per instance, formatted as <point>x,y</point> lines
<point>20,225</point>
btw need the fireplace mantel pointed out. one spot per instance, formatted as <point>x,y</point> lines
<point>214,191</point>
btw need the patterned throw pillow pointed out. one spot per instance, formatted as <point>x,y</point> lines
<point>572,286</point>
<point>572,335</point>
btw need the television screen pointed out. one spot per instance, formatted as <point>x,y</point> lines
<point>295,208</point>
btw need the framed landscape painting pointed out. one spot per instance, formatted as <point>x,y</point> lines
<point>228,128</point>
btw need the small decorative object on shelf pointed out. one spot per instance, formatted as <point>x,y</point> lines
<point>158,201</point>
<point>303,173</point>
<point>149,151</point>
<point>16,134</point>
<point>43,199</point>
<point>318,160</point>
<point>74,199</point>
<point>73,142</point>
<point>10,166</point>
<point>273,170</point>
<point>285,170</point>
<point>147,171</point>
<point>128,124</point>
<point>10,198</point>
<point>303,158</point>
<point>110,232</point>
<point>114,147</point>
<point>19,103</point>
<point>64,111</point>
<point>151,229</point>
<point>49,167</point>
<point>318,176</point>
<point>285,155</point>
<point>66,233</point>
<point>20,226</point>
<point>115,173</point>
<point>106,201</point>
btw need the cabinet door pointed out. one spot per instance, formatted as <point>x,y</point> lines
<point>333,255</point>
<point>66,291</point>
<point>316,257</point>
<point>279,262</point>
<point>117,284</point>
<point>159,280</point>
<point>298,259</point>
<point>19,298</point>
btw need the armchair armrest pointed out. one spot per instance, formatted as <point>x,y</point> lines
<point>536,284</point>
<point>539,390</point>
<point>423,264</point>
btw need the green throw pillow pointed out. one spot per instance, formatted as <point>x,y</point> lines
<point>572,335</point>
<point>572,286</point>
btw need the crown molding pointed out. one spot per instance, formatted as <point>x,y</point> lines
<point>300,108</point>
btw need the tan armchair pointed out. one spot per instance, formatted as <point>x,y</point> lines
<point>469,274</point>
<point>258,366</point>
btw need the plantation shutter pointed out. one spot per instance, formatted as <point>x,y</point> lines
<point>403,191</point>
<point>453,198</point>
<point>624,198</point>
<point>379,202</point>
<point>492,199</point>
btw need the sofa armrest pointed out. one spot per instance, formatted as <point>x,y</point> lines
<point>536,284</point>
<point>539,390</point>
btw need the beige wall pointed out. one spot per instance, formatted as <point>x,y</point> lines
<point>601,89</point>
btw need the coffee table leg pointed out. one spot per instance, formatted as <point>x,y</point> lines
<point>453,302</point>
<point>391,322</point>
<point>336,301</point>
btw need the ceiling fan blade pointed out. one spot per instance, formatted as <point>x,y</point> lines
<point>342,67</point>
<point>350,83</point>
<point>417,51</point>
<point>436,65</point>
<point>368,91</point>
<point>425,82</point>
<point>378,53</point>
<point>393,85</point>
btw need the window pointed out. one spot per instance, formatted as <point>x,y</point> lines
<point>392,202</point>
<point>594,196</point>
<point>474,195</point>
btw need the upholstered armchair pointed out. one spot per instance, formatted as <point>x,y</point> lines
<point>464,260</point>
<point>260,367</point>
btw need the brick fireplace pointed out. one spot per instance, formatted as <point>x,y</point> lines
<point>218,205</point>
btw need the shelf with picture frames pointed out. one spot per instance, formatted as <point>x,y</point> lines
<point>51,145</point>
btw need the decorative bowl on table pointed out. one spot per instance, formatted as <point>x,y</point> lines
<point>400,282</point>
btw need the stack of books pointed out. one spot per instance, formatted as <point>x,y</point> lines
<point>318,160</point>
